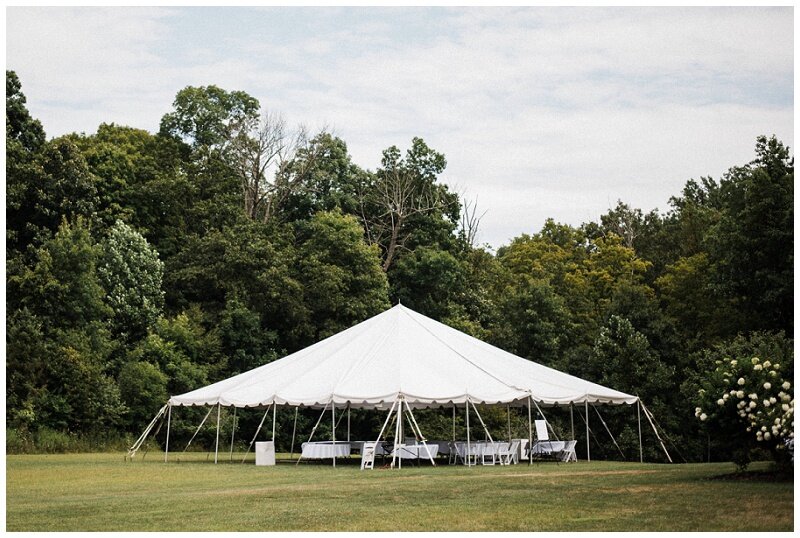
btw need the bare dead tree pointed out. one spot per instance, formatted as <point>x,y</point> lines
<point>387,204</point>
<point>470,220</point>
<point>271,163</point>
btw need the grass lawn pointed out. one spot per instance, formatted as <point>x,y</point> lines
<point>101,492</point>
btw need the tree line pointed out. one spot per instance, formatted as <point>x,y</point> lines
<point>140,265</point>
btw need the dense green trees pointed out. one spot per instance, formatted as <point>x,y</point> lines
<point>141,265</point>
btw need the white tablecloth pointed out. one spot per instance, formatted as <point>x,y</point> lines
<point>326,449</point>
<point>548,447</point>
<point>409,452</point>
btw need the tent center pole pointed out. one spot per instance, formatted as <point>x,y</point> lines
<point>169,418</point>
<point>216,446</point>
<point>588,454</point>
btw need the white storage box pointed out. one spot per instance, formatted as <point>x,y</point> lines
<point>265,453</point>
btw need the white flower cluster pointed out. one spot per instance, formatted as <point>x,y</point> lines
<point>769,415</point>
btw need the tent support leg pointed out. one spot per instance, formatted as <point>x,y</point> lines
<point>216,446</point>
<point>609,432</point>
<point>397,428</point>
<point>333,429</point>
<point>639,420</point>
<point>650,420</point>
<point>485,429</point>
<point>140,440</point>
<point>508,413</point>
<point>419,433</point>
<point>253,440</point>
<point>530,433</point>
<point>313,430</point>
<point>348,422</point>
<point>454,423</point>
<point>294,430</point>
<point>572,419</point>
<point>274,420</point>
<point>233,432</point>
<point>198,428</point>
<point>545,419</point>
<point>468,457</point>
<point>588,454</point>
<point>169,419</point>
<point>385,423</point>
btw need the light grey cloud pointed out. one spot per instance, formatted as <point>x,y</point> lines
<point>542,112</point>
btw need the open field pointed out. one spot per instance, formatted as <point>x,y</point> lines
<point>94,492</point>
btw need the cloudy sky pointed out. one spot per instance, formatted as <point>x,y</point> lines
<point>541,112</point>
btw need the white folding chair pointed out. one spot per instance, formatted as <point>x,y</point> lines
<point>568,454</point>
<point>368,456</point>
<point>489,451</point>
<point>508,453</point>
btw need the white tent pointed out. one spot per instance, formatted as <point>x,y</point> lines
<point>399,356</point>
<point>400,353</point>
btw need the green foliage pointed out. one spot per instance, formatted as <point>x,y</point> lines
<point>130,272</point>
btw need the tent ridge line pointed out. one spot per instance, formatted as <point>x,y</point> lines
<point>463,357</point>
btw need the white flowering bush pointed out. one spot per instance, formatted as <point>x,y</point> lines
<point>750,402</point>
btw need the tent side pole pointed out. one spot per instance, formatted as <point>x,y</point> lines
<point>294,430</point>
<point>639,420</point>
<point>508,413</point>
<point>169,419</point>
<point>650,420</point>
<point>467,405</point>
<point>572,419</point>
<point>313,430</point>
<point>588,454</point>
<point>274,420</point>
<point>333,430</point>
<point>397,427</point>
<point>485,429</point>
<point>454,423</point>
<point>233,432</point>
<point>530,433</point>
<point>348,422</point>
<point>141,439</point>
<point>216,445</point>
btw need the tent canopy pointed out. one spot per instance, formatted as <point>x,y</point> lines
<point>400,354</point>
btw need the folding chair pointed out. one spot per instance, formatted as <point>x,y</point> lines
<point>508,453</point>
<point>368,456</point>
<point>490,451</point>
<point>568,454</point>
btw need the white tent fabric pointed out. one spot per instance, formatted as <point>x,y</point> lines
<point>400,354</point>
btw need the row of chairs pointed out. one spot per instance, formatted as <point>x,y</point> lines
<point>489,453</point>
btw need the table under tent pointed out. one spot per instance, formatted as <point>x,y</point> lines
<point>397,362</point>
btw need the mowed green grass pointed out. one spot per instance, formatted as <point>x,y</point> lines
<point>101,492</point>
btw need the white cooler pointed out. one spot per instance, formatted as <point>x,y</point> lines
<point>265,453</point>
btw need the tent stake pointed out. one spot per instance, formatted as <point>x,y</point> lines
<point>169,419</point>
<point>233,432</point>
<point>253,440</point>
<point>639,420</point>
<point>216,446</point>
<point>588,454</point>
<point>294,430</point>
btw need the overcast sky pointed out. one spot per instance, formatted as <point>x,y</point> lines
<point>541,112</point>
